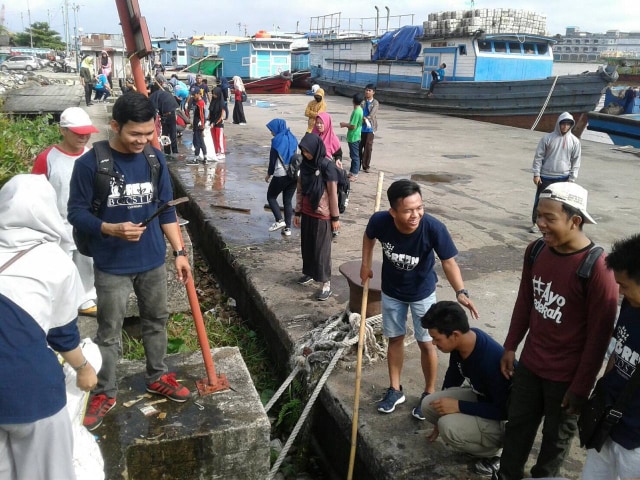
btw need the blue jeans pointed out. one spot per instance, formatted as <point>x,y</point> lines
<point>287,187</point>
<point>113,292</point>
<point>354,153</point>
<point>394,316</point>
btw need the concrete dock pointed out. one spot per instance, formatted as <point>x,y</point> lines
<point>475,177</point>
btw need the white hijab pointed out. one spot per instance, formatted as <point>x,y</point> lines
<point>238,84</point>
<point>28,215</point>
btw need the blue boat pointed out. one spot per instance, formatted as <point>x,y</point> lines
<point>620,117</point>
<point>499,66</point>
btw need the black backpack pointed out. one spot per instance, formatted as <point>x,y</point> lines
<point>344,185</point>
<point>585,267</point>
<point>102,184</point>
<point>293,169</point>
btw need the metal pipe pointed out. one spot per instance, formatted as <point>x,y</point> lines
<point>388,13</point>
<point>377,18</point>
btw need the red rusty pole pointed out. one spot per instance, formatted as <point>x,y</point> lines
<point>130,19</point>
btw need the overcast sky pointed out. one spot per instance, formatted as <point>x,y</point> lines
<point>189,17</point>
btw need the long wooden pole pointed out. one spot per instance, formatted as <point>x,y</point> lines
<point>363,319</point>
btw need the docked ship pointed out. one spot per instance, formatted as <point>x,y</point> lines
<point>498,66</point>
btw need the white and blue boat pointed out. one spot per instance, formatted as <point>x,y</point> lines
<point>620,117</point>
<point>499,66</point>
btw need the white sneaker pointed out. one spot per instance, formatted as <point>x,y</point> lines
<point>221,155</point>
<point>286,232</point>
<point>277,226</point>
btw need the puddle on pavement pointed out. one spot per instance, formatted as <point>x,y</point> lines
<point>439,178</point>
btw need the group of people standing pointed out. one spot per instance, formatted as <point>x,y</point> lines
<point>98,80</point>
<point>315,183</point>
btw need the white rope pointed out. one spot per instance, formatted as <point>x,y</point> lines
<point>546,102</point>
<point>335,336</point>
<point>282,388</point>
<point>305,413</point>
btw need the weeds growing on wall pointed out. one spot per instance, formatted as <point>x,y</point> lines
<point>21,139</point>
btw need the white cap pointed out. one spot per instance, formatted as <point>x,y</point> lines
<point>570,194</point>
<point>78,121</point>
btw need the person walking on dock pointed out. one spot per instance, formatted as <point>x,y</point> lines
<point>239,97</point>
<point>57,163</point>
<point>314,107</point>
<point>127,255</point>
<point>410,240</point>
<point>369,126</point>
<point>354,129</point>
<point>557,159</point>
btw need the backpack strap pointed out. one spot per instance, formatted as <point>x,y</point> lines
<point>104,173</point>
<point>154,167</point>
<point>536,248</point>
<point>586,266</point>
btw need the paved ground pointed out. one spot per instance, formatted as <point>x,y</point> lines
<point>475,178</point>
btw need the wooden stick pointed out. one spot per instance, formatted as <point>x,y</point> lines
<point>233,209</point>
<point>363,319</point>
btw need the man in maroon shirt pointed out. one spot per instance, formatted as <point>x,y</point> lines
<point>568,322</point>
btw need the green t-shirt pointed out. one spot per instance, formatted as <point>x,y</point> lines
<point>356,119</point>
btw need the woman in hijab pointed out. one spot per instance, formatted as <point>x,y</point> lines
<point>316,212</point>
<point>283,147</point>
<point>224,85</point>
<point>314,107</point>
<point>216,120</point>
<point>324,130</point>
<point>87,77</point>
<point>238,109</point>
<point>105,65</point>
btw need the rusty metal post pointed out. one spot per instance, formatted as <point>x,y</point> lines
<point>213,382</point>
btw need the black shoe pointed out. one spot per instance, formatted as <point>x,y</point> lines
<point>324,295</point>
<point>305,280</point>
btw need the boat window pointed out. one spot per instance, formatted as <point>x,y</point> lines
<point>484,46</point>
<point>345,46</point>
<point>514,47</point>
<point>500,47</point>
<point>529,48</point>
<point>233,47</point>
<point>543,48</point>
<point>462,49</point>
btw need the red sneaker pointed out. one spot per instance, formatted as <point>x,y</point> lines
<point>168,386</point>
<point>98,407</point>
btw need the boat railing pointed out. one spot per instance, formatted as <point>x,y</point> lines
<point>333,26</point>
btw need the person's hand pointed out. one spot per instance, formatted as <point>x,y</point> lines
<point>573,403</point>
<point>365,273</point>
<point>126,230</point>
<point>267,177</point>
<point>335,226</point>
<point>537,180</point>
<point>466,302</point>
<point>344,124</point>
<point>296,221</point>
<point>433,436</point>
<point>339,163</point>
<point>507,363</point>
<point>183,269</point>
<point>86,378</point>
<point>445,406</point>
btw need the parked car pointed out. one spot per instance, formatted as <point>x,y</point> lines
<point>20,62</point>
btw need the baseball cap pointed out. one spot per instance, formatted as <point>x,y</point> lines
<point>78,121</point>
<point>571,194</point>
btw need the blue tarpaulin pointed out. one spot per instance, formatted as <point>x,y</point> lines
<point>399,44</point>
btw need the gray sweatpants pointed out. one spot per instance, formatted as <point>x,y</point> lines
<point>476,436</point>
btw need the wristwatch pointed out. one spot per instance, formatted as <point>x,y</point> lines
<point>462,291</point>
<point>179,253</point>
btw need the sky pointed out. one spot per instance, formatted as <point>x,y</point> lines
<point>235,17</point>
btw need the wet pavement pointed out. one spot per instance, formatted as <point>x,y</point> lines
<point>475,178</point>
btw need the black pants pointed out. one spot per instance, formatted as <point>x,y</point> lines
<point>434,80</point>
<point>532,399</point>
<point>168,121</point>
<point>88,89</point>
<point>238,113</point>
<point>287,187</point>
<point>544,183</point>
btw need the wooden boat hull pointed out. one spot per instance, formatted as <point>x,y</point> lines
<point>623,129</point>
<point>268,85</point>
<point>516,103</point>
